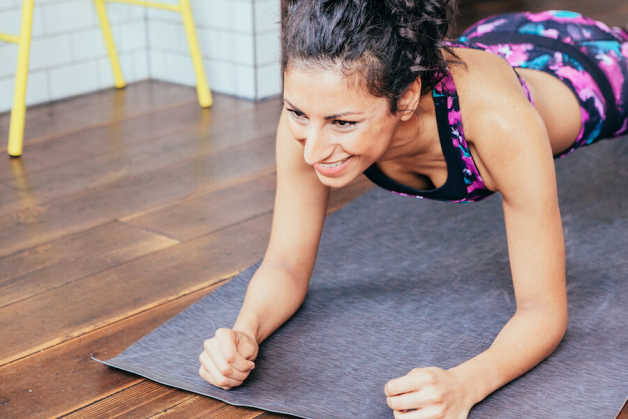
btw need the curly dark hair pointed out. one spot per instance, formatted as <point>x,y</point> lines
<point>389,42</point>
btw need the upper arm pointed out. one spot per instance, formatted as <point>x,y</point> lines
<point>299,211</point>
<point>515,150</point>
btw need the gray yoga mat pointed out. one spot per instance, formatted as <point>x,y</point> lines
<point>403,283</point>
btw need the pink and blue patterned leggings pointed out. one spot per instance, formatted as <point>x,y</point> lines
<point>590,57</point>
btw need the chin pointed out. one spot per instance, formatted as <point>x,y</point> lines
<point>335,182</point>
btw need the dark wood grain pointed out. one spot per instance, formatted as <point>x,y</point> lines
<point>64,378</point>
<point>103,158</point>
<point>73,309</point>
<point>194,217</point>
<point>56,119</point>
<point>126,196</point>
<point>190,218</point>
<point>72,257</point>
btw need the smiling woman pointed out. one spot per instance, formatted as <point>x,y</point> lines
<point>342,129</point>
<point>374,87</point>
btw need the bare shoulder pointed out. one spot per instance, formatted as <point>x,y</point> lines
<point>485,79</point>
<point>491,102</point>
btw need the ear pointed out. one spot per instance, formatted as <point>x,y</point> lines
<point>409,101</point>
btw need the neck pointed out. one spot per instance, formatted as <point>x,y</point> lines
<point>416,140</point>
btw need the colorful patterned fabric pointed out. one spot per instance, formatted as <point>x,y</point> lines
<point>590,57</point>
<point>474,184</point>
<point>586,55</point>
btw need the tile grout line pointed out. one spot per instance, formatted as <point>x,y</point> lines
<point>255,78</point>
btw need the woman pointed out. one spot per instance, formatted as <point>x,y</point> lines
<point>373,87</point>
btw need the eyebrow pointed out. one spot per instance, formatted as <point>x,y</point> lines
<point>335,116</point>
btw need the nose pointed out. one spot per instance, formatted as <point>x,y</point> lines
<point>317,147</point>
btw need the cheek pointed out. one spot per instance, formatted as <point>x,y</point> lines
<point>297,130</point>
<point>374,141</point>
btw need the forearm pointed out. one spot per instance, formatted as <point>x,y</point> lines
<point>272,297</point>
<point>528,338</point>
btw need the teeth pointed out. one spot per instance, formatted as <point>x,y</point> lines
<point>330,165</point>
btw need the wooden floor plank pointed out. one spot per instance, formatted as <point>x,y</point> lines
<point>191,218</point>
<point>50,265</point>
<point>71,310</point>
<point>204,407</point>
<point>25,385</point>
<point>146,399</point>
<point>269,415</point>
<point>6,193</point>
<point>45,186</point>
<point>53,119</point>
<point>126,197</point>
<point>195,217</point>
<point>96,156</point>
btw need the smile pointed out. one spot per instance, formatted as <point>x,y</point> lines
<point>335,164</point>
<point>332,169</point>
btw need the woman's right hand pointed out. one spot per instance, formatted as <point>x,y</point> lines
<point>227,358</point>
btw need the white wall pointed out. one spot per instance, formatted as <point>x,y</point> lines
<point>68,55</point>
<point>239,41</point>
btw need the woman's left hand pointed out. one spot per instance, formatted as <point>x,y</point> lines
<point>428,393</point>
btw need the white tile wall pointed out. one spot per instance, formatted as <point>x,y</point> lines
<point>239,41</point>
<point>269,80</point>
<point>267,15</point>
<point>268,48</point>
<point>6,4</point>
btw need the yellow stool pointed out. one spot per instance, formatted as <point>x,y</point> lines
<point>16,127</point>
<point>16,130</point>
<point>183,7</point>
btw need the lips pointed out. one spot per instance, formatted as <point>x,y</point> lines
<point>334,164</point>
<point>332,168</point>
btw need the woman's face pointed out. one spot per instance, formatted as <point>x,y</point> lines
<point>342,127</point>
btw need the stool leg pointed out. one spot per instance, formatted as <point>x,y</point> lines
<point>202,88</point>
<point>111,48</point>
<point>18,113</point>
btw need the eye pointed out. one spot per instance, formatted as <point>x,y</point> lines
<point>296,114</point>
<point>344,124</point>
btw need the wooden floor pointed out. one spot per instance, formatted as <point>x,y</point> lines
<point>126,207</point>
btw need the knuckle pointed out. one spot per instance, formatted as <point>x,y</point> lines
<point>223,331</point>
<point>207,344</point>
<point>439,412</point>
<point>225,370</point>
<point>438,395</point>
<point>230,357</point>
<point>431,376</point>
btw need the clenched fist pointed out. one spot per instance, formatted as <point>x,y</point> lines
<point>227,358</point>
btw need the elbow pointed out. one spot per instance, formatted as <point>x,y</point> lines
<point>561,327</point>
<point>551,319</point>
